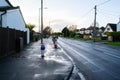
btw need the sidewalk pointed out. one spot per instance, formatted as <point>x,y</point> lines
<point>29,65</point>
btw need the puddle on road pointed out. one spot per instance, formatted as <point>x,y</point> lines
<point>58,59</point>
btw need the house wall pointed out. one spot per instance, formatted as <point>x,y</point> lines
<point>3,3</point>
<point>118,27</point>
<point>13,19</point>
<point>0,19</point>
<point>87,31</point>
<point>1,13</point>
<point>82,32</point>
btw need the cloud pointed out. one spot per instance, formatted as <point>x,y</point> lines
<point>58,24</point>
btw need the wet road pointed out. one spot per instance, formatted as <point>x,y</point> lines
<point>96,62</point>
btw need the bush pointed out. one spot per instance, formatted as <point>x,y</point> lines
<point>115,35</point>
<point>72,34</point>
<point>79,35</point>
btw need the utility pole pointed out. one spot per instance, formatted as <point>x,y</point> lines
<point>42,45</point>
<point>41,21</point>
<point>94,29</point>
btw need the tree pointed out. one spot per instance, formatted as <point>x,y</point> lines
<point>30,26</point>
<point>47,31</point>
<point>72,30</point>
<point>65,32</point>
<point>72,34</point>
<point>102,28</point>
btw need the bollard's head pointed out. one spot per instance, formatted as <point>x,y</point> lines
<point>42,47</point>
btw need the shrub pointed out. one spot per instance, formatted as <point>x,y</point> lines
<point>115,35</point>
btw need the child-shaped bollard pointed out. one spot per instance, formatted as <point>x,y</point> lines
<point>42,50</point>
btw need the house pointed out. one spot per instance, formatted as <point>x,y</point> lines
<point>82,30</point>
<point>11,17</point>
<point>89,30</point>
<point>110,27</point>
<point>118,26</point>
<point>77,30</point>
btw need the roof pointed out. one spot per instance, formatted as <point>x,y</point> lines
<point>9,3</point>
<point>4,8</point>
<point>113,26</point>
<point>11,7</point>
<point>7,8</point>
<point>82,29</point>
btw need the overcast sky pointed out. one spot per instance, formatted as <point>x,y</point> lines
<point>61,13</point>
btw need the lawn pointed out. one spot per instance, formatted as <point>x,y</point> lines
<point>107,42</point>
<point>114,43</point>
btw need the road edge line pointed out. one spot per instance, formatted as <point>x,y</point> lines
<point>80,74</point>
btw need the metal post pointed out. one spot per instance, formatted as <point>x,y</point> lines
<point>42,21</point>
<point>94,30</point>
<point>42,45</point>
<point>39,20</point>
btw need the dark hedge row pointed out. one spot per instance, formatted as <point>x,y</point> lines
<point>115,35</point>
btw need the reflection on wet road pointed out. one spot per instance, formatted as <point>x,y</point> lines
<point>94,61</point>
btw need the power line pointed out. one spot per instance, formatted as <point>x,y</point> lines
<point>84,15</point>
<point>105,13</point>
<point>103,3</point>
<point>86,8</point>
<point>104,19</point>
<point>87,13</point>
<point>101,20</point>
<point>114,12</point>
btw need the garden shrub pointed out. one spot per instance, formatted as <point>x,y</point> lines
<point>115,35</point>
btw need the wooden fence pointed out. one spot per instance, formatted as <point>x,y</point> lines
<point>10,40</point>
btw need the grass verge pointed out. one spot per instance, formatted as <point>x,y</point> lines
<point>114,43</point>
<point>105,41</point>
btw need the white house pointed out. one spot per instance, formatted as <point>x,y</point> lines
<point>80,31</point>
<point>12,17</point>
<point>118,26</point>
<point>110,27</point>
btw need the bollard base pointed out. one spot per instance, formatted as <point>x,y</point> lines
<point>42,56</point>
<point>55,46</point>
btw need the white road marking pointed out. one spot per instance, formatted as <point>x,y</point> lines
<point>88,60</point>
<point>81,76</point>
<point>112,55</point>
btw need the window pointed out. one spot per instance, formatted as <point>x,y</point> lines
<point>108,29</point>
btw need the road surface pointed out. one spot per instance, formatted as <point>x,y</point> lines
<point>95,62</point>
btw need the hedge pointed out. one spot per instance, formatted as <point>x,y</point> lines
<point>115,35</point>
